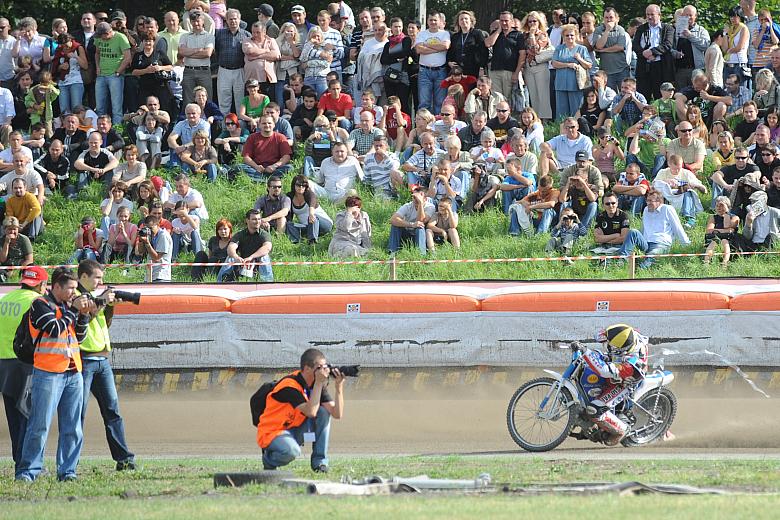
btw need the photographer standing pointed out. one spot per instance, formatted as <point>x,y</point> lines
<point>59,320</point>
<point>97,373</point>
<point>299,409</point>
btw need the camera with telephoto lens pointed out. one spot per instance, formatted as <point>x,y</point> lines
<point>120,296</point>
<point>347,370</point>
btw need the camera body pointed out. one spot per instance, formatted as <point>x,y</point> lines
<point>144,232</point>
<point>120,296</point>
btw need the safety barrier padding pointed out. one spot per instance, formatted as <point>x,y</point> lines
<point>161,304</point>
<point>355,303</point>
<point>766,301</point>
<point>605,301</point>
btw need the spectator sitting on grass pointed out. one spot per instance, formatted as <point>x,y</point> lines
<point>281,125</point>
<point>564,234</point>
<point>612,224</point>
<point>71,136</point>
<point>773,190</point>
<point>410,142</point>
<point>762,225</point>
<point>184,130</point>
<point>266,152</point>
<point>132,172</point>
<point>581,187</point>
<point>186,231</point>
<point>536,210</point>
<point>559,152</point>
<point>231,140</point>
<point>337,175</point>
<point>274,206</point>
<point>409,221</point>
<point>443,226</point>
<point>518,182</point>
<point>148,138</point>
<point>24,206</point>
<point>318,145</point>
<point>631,188</point>
<point>444,184</point>
<point>721,229</point>
<point>15,146</point>
<point>448,125</point>
<point>155,246</point>
<point>248,246</point>
<point>484,187</point>
<point>471,135</point>
<point>724,180</point>
<point>217,251</point>
<point>691,149</point>
<point>487,153</point>
<point>199,157</point>
<point>352,237</point>
<point>306,213</point>
<point>302,119</point>
<point>677,185</point>
<point>89,241</point>
<point>54,167</point>
<point>95,163</point>
<point>147,194</point>
<point>21,170</point>
<point>113,142</point>
<point>382,170</point>
<point>15,248</point>
<point>502,123</point>
<point>111,204</point>
<point>660,227</point>
<point>361,140</point>
<point>121,237</point>
<point>184,191</point>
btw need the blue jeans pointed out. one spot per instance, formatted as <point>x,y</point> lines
<point>688,209</point>
<point>567,102</point>
<point>634,204</point>
<point>313,230</point>
<point>17,422</point>
<point>70,97</point>
<point>211,171</point>
<point>346,123</point>
<point>99,379</point>
<point>308,167</point>
<point>264,271</point>
<point>196,245</point>
<point>429,88</point>
<point>635,239</point>
<point>286,447</point>
<point>590,212</point>
<point>64,393</point>
<point>110,88</point>
<point>614,81</point>
<point>318,83</point>
<point>717,191</point>
<point>82,254</point>
<point>507,197</point>
<point>279,92</point>
<point>262,176</point>
<point>397,235</point>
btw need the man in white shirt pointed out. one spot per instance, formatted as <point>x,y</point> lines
<point>560,151</point>
<point>7,112</point>
<point>337,174</point>
<point>190,195</point>
<point>660,226</point>
<point>196,48</point>
<point>7,156</point>
<point>432,45</point>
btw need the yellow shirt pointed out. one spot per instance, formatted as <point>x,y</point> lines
<point>24,208</point>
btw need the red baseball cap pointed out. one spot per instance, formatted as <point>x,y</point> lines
<point>34,275</point>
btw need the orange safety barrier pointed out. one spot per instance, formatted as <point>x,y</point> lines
<point>766,301</point>
<point>369,304</point>
<point>617,301</point>
<point>161,304</point>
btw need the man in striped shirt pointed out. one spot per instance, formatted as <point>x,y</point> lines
<point>382,169</point>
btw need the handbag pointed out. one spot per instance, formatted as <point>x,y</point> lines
<point>395,75</point>
<point>164,75</point>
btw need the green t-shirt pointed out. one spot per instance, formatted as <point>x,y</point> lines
<point>111,52</point>
<point>19,251</point>
<point>12,306</point>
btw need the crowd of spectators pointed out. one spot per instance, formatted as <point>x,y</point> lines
<point>448,116</point>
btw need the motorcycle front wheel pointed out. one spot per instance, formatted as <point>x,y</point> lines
<point>654,414</point>
<point>537,428</point>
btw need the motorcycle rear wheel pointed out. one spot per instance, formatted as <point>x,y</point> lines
<point>534,433</point>
<point>644,432</point>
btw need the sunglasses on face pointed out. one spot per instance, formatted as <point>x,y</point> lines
<point>685,130</point>
<point>502,110</point>
<point>765,154</point>
<point>610,203</point>
<point>744,158</point>
<point>301,185</point>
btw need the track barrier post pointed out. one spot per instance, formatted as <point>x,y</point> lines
<point>393,270</point>
<point>632,265</point>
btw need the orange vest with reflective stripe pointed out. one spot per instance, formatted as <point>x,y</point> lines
<point>277,416</point>
<point>53,353</point>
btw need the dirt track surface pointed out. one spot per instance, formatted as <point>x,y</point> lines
<point>182,425</point>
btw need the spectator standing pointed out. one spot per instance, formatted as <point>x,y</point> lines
<point>737,37</point>
<point>112,58</point>
<point>432,45</point>
<point>612,44</point>
<point>653,42</point>
<point>692,43</point>
<point>536,73</point>
<point>572,61</point>
<point>7,43</point>
<point>468,49</point>
<point>196,48</point>
<point>508,54</point>
<point>261,53</point>
<point>395,55</point>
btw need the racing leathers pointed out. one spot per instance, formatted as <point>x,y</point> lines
<point>608,381</point>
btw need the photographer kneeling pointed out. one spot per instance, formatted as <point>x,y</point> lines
<point>299,409</point>
<point>97,373</point>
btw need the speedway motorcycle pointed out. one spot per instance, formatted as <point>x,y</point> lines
<point>543,412</point>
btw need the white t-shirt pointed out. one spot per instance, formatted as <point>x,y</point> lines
<point>340,177</point>
<point>436,59</point>
<point>7,156</point>
<point>31,179</point>
<point>115,208</point>
<point>192,195</point>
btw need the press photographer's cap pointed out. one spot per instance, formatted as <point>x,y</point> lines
<point>34,275</point>
<point>298,9</point>
<point>157,182</point>
<point>666,86</point>
<point>331,115</point>
<point>582,155</point>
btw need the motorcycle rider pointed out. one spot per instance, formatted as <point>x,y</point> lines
<point>613,376</point>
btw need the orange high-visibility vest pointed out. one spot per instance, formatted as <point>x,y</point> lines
<point>53,353</point>
<point>277,416</point>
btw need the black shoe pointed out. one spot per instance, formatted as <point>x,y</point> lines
<point>268,467</point>
<point>68,478</point>
<point>322,468</point>
<point>125,465</point>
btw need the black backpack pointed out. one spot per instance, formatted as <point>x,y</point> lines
<point>24,343</point>
<point>258,400</point>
